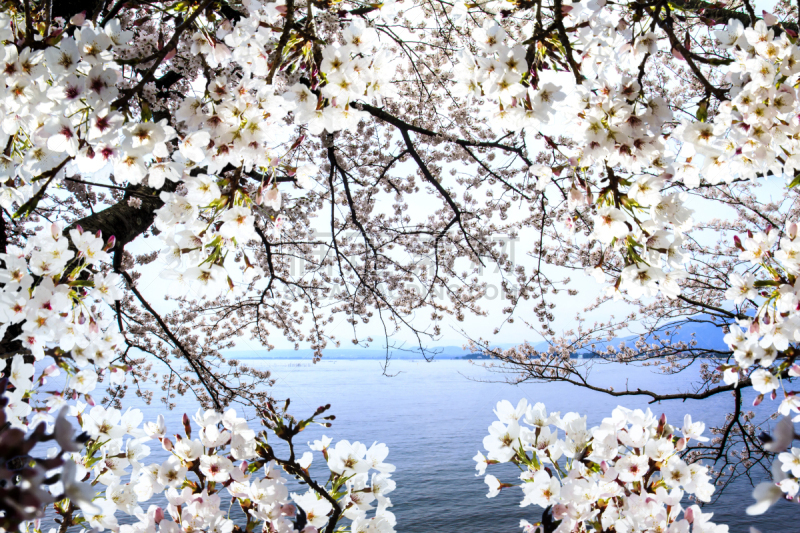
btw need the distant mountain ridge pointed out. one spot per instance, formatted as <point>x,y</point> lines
<point>438,352</point>
<point>708,336</point>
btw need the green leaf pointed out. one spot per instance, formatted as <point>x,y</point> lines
<point>147,114</point>
<point>702,111</point>
<point>766,283</point>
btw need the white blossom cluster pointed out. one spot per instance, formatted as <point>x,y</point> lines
<point>360,69</point>
<point>616,128</point>
<point>59,317</point>
<point>501,74</point>
<point>55,106</point>
<point>241,124</point>
<point>350,465</point>
<point>225,463</point>
<point>116,463</point>
<point>193,476</point>
<point>758,340</point>
<point>237,123</point>
<point>760,122</point>
<point>625,474</point>
<point>753,133</point>
<point>785,482</point>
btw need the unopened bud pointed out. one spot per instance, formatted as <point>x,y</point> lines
<point>681,444</point>
<point>166,444</point>
<point>288,510</point>
<point>79,19</point>
<point>187,426</point>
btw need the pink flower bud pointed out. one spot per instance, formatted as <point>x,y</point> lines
<point>758,400</point>
<point>559,511</point>
<point>688,514</point>
<point>681,444</point>
<point>78,19</point>
<point>288,510</point>
<point>158,516</point>
<point>187,426</point>
<point>166,444</point>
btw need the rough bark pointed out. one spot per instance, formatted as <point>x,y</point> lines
<point>123,221</point>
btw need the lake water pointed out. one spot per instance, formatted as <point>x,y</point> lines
<point>433,417</point>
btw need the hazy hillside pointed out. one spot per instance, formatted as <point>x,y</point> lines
<point>438,352</point>
<point>707,336</point>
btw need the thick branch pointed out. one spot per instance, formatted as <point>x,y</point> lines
<point>123,221</point>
